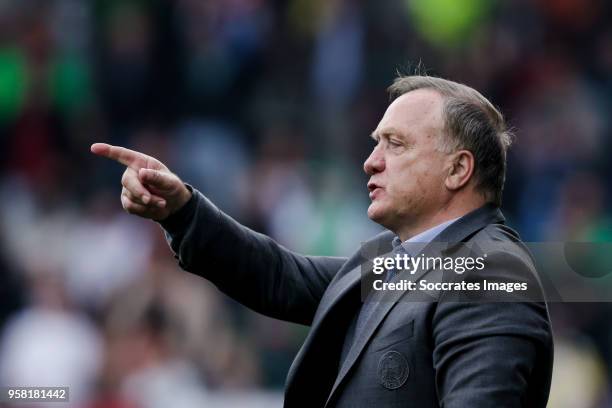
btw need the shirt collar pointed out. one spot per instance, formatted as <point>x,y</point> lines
<point>415,244</point>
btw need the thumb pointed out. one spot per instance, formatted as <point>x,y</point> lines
<point>159,179</point>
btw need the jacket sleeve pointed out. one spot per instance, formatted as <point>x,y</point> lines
<point>487,352</point>
<point>249,267</point>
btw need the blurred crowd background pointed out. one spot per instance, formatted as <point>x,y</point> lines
<point>266,107</point>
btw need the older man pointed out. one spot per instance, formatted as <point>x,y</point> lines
<point>436,174</point>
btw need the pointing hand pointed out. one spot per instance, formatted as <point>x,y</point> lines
<point>150,190</point>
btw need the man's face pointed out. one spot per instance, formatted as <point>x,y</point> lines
<point>407,167</point>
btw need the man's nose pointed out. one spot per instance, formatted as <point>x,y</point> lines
<point>375,163</point>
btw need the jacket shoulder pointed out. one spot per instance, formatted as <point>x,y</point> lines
<point>500,237</point>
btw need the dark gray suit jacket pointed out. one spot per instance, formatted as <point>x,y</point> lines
<point>410,353</point>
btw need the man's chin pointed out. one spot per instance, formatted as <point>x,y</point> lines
<point>380,215</point>
<point>376,213</point>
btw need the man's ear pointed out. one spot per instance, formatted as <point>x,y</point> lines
<point>460,170</point>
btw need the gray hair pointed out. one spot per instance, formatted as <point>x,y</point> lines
<point>472,123</point>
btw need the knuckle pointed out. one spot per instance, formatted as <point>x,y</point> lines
<point>131,208</point>
<point>128,194</point>
<point>128,205</point>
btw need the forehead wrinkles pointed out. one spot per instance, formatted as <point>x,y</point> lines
<point>416,114</point>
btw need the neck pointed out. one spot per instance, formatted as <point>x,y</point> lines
<point>445,213</point>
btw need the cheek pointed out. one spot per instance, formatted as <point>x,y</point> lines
<point>416,184</point>
<point>424,183</point>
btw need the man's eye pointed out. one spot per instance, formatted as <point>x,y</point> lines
<point>394,143</point>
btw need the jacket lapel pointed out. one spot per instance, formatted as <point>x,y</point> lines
<point>338,288</point>
<point>459,231</point>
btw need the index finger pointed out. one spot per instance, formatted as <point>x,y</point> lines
<point>124,156</point>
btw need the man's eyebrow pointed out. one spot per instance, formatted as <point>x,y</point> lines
<point>387,132</point>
